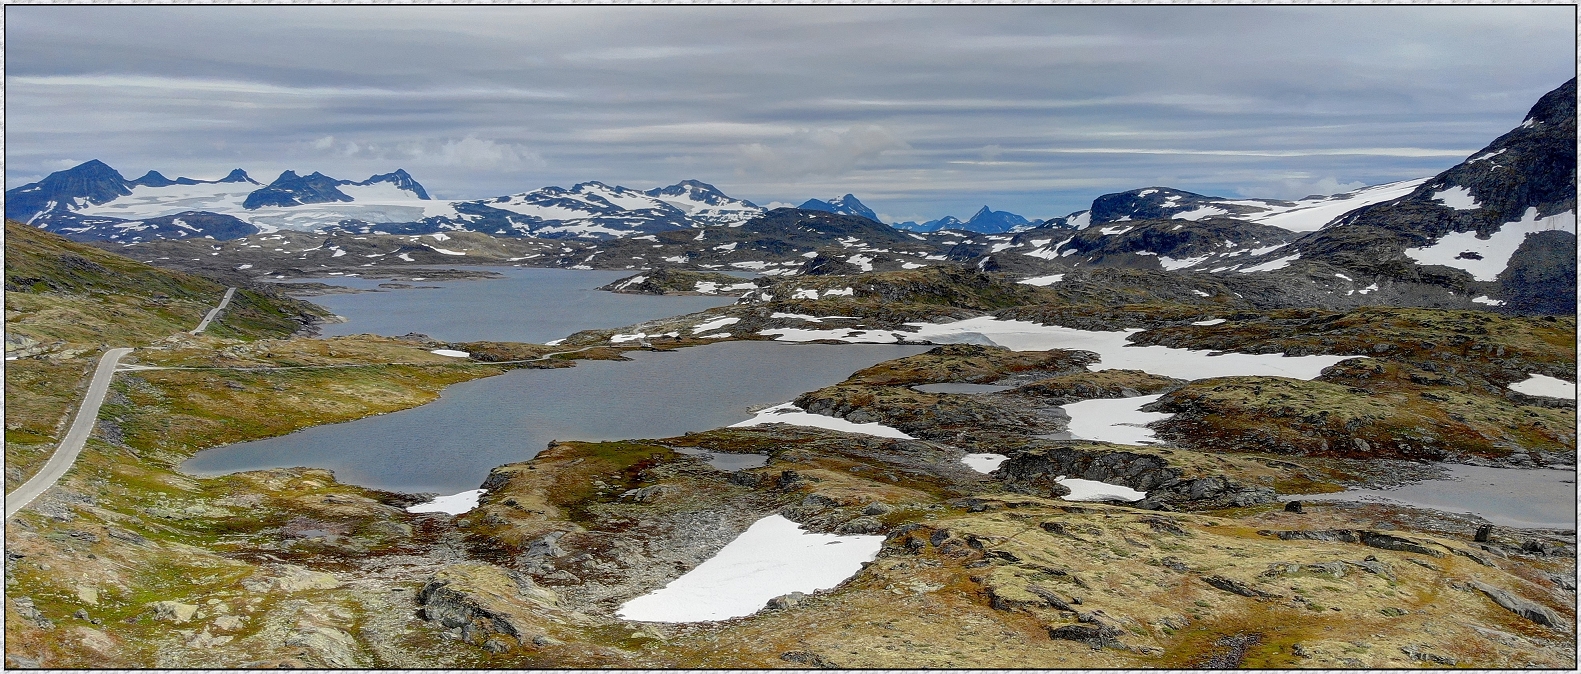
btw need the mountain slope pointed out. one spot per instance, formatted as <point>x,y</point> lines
<point>1500,223</point>
<point>71,295</point>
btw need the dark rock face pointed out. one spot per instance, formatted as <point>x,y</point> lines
<point>1142,472</point>
<point>291,189</point>
<point>1541,278</point>
<point>1237,587</point>
<point>1034,470</point>
<point>1097,636</point>
<point>1368,538</point>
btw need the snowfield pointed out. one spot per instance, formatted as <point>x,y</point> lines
<point>984,463</point>
<point>1546,386</point>
<point>789,413</point>
<point>454,504</point>
<point>1485,258</point>
<point>1112,347</point>
<point>1117,420</point>
<point>773,557</point>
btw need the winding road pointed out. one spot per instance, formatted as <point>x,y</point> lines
<point>81,426</point>
<point>76,437</point>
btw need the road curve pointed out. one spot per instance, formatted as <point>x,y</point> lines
<point>76,436</point>
<point>214,312</point>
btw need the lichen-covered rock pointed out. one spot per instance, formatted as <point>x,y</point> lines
<point>173,611</point>
<point>1522,607</point>
<point>486,601</point>
<point>289,578</point>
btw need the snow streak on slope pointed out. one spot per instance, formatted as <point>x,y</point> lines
<point>1309,215</point>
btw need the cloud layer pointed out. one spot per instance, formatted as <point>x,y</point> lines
<point>921,111</point>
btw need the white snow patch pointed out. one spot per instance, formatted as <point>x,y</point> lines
<point>984,463</point>
<point>1093,490</point>
<point>1484,299</point>
<point>1049,280</point>
<point>454,504</point>
<point>635,280</point>
<point>1271,265</point>
<point>1117,353</point>
<point>1199,213</point>
<point>715,324</point>
<point>1213,321</point>
<point>804,317</point>
<point>450,352</point>
<point>1546,386</point>
<point>1117,420</point>
<point>1458,198</point>
<point>1485,258</point>
<point>789,413</point>
<point>1171,264</point>
<point>771,558</point>
<point>846,292</point>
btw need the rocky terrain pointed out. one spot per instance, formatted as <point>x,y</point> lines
<point>131,563</point>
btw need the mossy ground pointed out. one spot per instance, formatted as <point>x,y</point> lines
<point>964,579</point>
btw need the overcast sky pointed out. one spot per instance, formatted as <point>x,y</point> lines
<point>920,111</point>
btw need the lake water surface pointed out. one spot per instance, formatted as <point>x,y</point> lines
<point>528,305</point>
<point>1514,497</point>
<point>450,445</point>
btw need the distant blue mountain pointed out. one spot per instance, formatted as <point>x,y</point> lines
<point>846,205</point>
<point>986,221</point>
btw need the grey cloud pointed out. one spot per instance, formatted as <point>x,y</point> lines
<point>920,110</point>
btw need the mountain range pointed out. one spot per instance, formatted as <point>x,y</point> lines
<point>94,202</point>
<point>1496,230</point>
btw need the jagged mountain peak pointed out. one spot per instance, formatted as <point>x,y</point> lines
<point>401,180</point>
<point>237,176</point>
